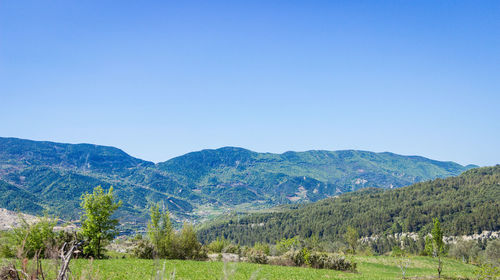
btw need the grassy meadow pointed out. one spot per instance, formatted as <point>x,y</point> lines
<point>370,267</point>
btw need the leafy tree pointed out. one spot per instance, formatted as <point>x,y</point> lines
<point>189,246</point>
<point>438,244</point>
<point>160,232</point>
<point>351,237</point>
<point>287,244</point>
<point>429,247</point>
<point>97,225</point>
<point>466,251</point>
<point>492,252</point>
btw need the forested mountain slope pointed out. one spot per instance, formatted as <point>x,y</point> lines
<point>466,204</point>
<point>37,175</point>
<point>300,176</point>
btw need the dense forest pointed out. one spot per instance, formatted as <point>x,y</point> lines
<point>466,204</point>
<point>214,180</point>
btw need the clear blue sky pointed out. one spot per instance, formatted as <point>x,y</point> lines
<point>162,78</point>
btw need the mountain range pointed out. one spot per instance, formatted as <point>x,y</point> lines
<point>37,176</point>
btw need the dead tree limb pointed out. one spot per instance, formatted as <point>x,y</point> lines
<point>66,258</point>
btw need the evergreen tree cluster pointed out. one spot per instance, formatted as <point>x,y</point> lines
<point>466,204</point>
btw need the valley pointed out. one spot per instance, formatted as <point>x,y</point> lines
<point>198,186</point>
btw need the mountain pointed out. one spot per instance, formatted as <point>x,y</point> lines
<point>300,176</point>
<point>37,175</point>
<point>466,204</point>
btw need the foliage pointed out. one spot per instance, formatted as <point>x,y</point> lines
<point>466,251</point>
<point>44,175</point>
<point>262,247</point>
<point>143,249</point>
<point>163,242</point>
<point>351,237</point>
<point>488,272</point>
<point>492,252</point>
<point>438,244</point>
<point>466,204</point>
<point>97,225</point>
<point>32,239</point>
<point>218,245</point>
<point>287,244</point>
<point>190,248</point>
<point>429,246</point>
<point>330,261</point>
<point>299,257</point>
<point>160,232</point>
<point>257,256</point>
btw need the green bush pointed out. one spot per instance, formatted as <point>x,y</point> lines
<point>287,244</point>
<point>255,256</point>
<point>262,247</point>
<point>143,249</point>
<point>305,257</point>
<point>232,249</point>
<point>188,244</point>
<point>218,245</point>
<point>30,239</point>
<point>330,261</point>
<point>465,251</point>
<point>492,252</point>
<point>299,257</point>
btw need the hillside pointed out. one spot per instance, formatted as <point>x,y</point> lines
<point>466,204</point>
<point>245,176</point>
<point>37,175</point>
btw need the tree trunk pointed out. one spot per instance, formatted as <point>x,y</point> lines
<point>439,267</point>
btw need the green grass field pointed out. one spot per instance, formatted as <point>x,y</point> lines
<point>380,267</point>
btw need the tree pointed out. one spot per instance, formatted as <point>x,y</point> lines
<point>97,225</point>
<point>351,237</point>
<point>188,242</point>
<point>160,231</point>
<point>438,244</point>
<point>403,259</point>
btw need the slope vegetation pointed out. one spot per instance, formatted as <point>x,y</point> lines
<point>466,204</point>
<point>39,175</point>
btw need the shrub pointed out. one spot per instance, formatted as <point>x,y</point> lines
<point>464,250</point>
<point>232,249</point>
<point>218,245</point>
<point>305,257</point>
<point>329,261</point>
<point>188,244</point>
<point>492,252</point>
<point>488,271</point>
<point>262,247</point>
<point>255,256</point>
<point>299,257</point>
<point>32,238</point>
<point>143,249</point>
<point>285,245</point>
